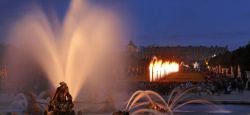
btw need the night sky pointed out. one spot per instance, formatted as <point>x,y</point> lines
<point>162,22</point>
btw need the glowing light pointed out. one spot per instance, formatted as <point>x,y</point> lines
<point>73,51</point>
<point>158,69</point>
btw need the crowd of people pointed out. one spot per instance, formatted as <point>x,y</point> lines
<point>222,83</point>
<point>214,84</point>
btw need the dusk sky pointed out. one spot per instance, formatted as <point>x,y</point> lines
<point>162,22</point>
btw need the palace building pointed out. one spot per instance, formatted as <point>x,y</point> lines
<point>140,57</point>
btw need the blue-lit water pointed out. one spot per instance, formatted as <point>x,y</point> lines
<point>195,109</point>
<point>218,109</point>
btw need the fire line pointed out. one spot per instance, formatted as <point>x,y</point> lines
<point>159,69</point>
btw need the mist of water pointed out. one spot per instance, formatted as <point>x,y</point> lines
<point>82,50</point>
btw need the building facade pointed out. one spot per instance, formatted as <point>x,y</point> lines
<point>139,58</point>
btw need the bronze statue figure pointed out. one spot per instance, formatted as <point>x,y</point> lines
<point>61,103</point>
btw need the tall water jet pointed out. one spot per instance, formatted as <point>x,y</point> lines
<point>81,51</point>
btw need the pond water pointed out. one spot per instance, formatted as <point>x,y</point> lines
<point>225,109</point>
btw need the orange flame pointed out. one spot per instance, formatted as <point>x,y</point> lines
<point>158,69</point>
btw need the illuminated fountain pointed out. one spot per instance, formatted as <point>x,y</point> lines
<point>80,51</point>
<point>159,69</point>
<point>151,102</point>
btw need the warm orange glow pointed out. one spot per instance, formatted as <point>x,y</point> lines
<point>159,69</point>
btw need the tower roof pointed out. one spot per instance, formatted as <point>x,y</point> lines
<point>132,44</point>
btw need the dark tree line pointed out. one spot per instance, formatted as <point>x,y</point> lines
<point>240,56</point>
